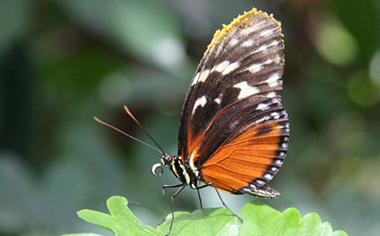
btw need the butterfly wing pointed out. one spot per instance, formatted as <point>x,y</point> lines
<point>235,90</point>
<point>253,152</point>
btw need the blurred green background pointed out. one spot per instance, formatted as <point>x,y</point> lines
<point>64,61</point>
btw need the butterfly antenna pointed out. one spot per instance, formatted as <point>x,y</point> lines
<point>128,135</point>
<point>138,123</point>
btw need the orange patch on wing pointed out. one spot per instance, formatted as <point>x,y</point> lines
<point>192,142</point>
<point>236,164</point>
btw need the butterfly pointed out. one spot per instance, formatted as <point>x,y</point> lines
<point>234,132</point>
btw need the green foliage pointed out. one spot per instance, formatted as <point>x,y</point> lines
<point>259,219</point>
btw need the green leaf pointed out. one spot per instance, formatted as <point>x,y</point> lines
<point>203,222</point>
<point>258,219</point>
<point>121,221</point>
<point>84,234</point>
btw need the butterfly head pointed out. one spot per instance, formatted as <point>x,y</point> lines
<point>166,160</point>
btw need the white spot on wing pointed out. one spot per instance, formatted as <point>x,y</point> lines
<point>278,162</point>
<point>275,115</point>
<point>268,176</point>
<point>261,48</point>
<point>260,182</point>
<point>262,107</point>
<point>247,190</point>
<point>221,66</point>
<point>266,46</point>
<point>258,121</point>
<point>277,59</point>
<point>274,42</point>
<point>199,102</point>
<point>274,169</point>
<point>273,80</point>
<point>255,68</point>
<point>233,42</point>
<point>265,32</point>
<point>252,186</point>
<point>285,114</point>
<point>271,94</point>
<point>200,77</point>
<point>231,67</point>
<point>218,100</point>
<point>247,43</point>
<point>246,90</point>
<point>196,78</point>
<point>203,76</point>
<point>249,30</point>
<point>267,62</point>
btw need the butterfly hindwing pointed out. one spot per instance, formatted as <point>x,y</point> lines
<point>252,154</point>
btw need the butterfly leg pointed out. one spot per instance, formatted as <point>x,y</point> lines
<point>220,198</point>
<point>199,197</point>
<point>172,200</point>
<point>164,195</point>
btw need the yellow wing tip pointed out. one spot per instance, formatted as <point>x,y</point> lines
<point>219,34</point>
<point>245,15</point>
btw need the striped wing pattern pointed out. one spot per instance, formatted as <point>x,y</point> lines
<point>233,127</point>
<point>252,155</point>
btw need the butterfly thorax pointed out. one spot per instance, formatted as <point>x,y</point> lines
<point>181,170</point>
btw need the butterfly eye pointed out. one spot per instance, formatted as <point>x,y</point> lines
<point>167,159</point>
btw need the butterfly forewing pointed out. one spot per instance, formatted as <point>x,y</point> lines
<point>236,93</point>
